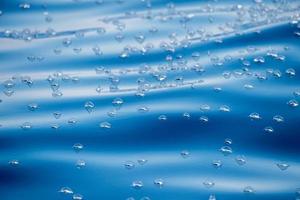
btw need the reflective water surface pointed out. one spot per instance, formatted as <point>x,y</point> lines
<point>149,99</point>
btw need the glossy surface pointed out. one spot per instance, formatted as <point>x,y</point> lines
<point>149,99</point>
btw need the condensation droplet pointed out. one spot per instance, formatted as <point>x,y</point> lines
<point>89,106</point>
<point>137,184</point>
<point>129,165</point>
<point>159,182</point>
<point>105,125</point>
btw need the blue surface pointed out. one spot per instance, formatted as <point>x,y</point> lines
<point>190,75</point>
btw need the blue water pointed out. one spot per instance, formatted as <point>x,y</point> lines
<point>149,99</point>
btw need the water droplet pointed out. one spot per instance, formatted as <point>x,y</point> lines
<point>14,163</point>
<point>77,197</point>
<point>33,106</point>
<point>80,164</point>
<point>142,161</point>
<point>212,197</point>
<point>240,160</point>
<point>137,184</point>
<point>203,119</point>
<point>254,116</point>
<point>248,190</point>
<point>224,108</point>
<point>278,118</point>
<point>186,115</point>
<point>129,165</point>
<point>143,109</point>
<point>217,164</point>
<point>67,42</point>
<point>145,198</point>
<point>226,150</point>
<point>24,6</point>
<point>117,102</point>
<point>66,190</point>
<point>290,72</point>
<point>57,115</point>
<point>269,129</point>
<point>162,118</point>
<point>72,121</point>
<point>140,38</point>
<point>78,147</point>
<point>293,103</point>
<point>208,184</point>
<point>26,126</point>
<point>89,106</point>
<point>228,141</point>
<point>159,182</point>
<point>105,125</point>
<point>185,154</point>
<point>283,166</point>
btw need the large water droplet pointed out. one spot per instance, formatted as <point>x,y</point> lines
<point>89,106</point>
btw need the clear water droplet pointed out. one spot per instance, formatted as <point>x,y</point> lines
<point>278,118</point>
<point>159,182</point>
<point>105,125</point>
<point>77,197</point>
<point>217,164</point>
<point>240,160</point>
<point>137,184</point>
<point>226,150</point>
<point>283,166</point>
<point>78,147</point>
<point>89,106</point>
<point>80,164</point>
<point>208,184</point>
<point>65,190</point>
<point>293,103</point>
<point>269,129</point>
<point>26,126</point>
<point>185,154</point>
<point>129,165</point>
<point>254,116</point>
<point>248,190</point>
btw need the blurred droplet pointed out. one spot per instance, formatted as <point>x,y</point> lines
<point>159,182</point>
<point>226,150</point>
<point>80,164</point>
<point>105,125</point>
<point>185,154</point>
<point>26,126</point>
<point>89,106</point>
<point>77,197</point>
<point>66,190</point>
<point>129,165</point>
<point>283,166</point>
<point>137,184</point>
<point>240,160</point>
<point>78,147</point>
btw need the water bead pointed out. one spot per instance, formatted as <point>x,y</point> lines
<point>137,184</point>
<point>89,106</point>
<point>159,182</point>
<point>72,121</point>
<point>162,118</point>
<point>217,164</point>
<point>283,166</point>
<point>33,106</point>
<point>145,198</point>
<point>9,92</point>
<point>248,190</point>
<point>228,141</point>
<point>186,115</point>
<point>224,108</point>
<point>293,103</point>
<point>80,164</point>
<point>140,38</point>
<point>26,126</point>
<point>142,161</point>
<point>77,147</point>
<point>129,165</point>
<point>290,72</point>
<point>77,197</point>
<point>66,190</point>
<point>24,6</point>
<point>55,126</point>
<point>105,125</point>
<point>8,83</point>
<point>67,42</point>
<point>240,160</point>
<point>278,118</point>
<point>226,150</point>
<point>208,184</point>
<point>203,119</point>
<point>212,197</point>
<point>254,116</point>
<point>117,102</point>
<point>130,198</point>
<point>185,154</point>
<point>269,129</point>
<point>57,115</point>
<point>143,109</point>
<point>204,107</point>
<point>14,163</point>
